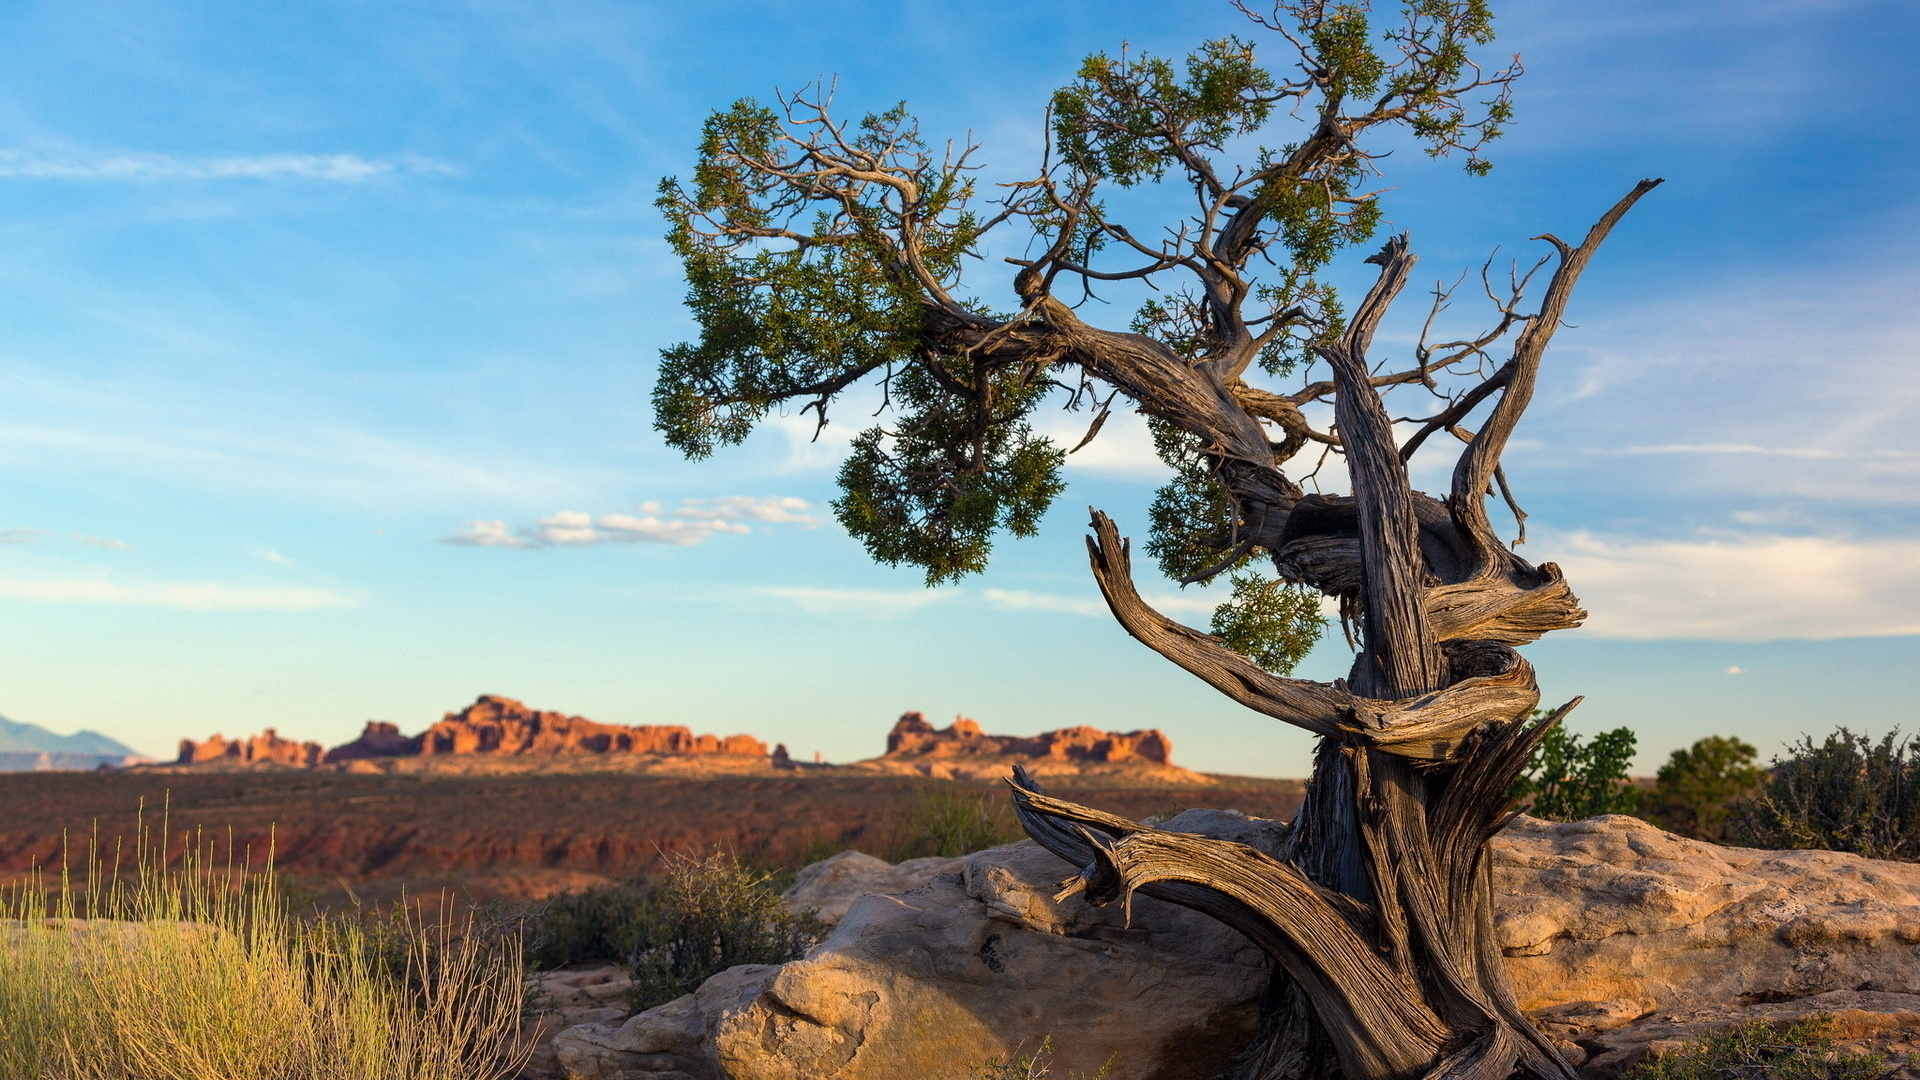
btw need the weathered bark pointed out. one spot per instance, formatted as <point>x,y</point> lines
<point>1379,913</point>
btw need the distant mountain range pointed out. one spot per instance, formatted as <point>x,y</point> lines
<point>28,747</point>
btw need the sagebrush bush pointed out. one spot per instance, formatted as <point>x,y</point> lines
<point>1758,1050</point>
<point>606,922</point>
<point>201,972</point>
<point>1846,793</point>
<point>948,819</point>
<point>709,914</point>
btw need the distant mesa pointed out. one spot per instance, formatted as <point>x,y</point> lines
<point>494,727</point>
<point>962,751</point>
<point>913,736</point>
<point>266,748</point>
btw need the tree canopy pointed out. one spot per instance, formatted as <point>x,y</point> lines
<point>822,254</point>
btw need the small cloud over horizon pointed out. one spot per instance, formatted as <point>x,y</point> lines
<point>885,604</point>
<point>181,595</point>
<point>693,522</point>
<point>21,536</point>
<point>1744,588</point>
<point>150,167</point>
<point>95,541</point>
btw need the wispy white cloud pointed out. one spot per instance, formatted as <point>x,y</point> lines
<point>274,557</point>
<point>1750,588</point>
<point>1192,606</point>
<point>1023,600</point>
<point>148,167</point>
<point>775,509</point>
<point>95,541</point>
<point>21,536</point>
<point>865,603</point>
<point>693,522</point>
<point>186,595</point>
<point>1712,390</point>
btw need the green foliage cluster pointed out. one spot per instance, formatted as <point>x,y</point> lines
<point>1757,1050</point>
<point>948,819</point>
<point>1845,793</point>
<point>1271,622</point>
<point>1567,780</point>
<point>1698,787</point>
<point>932,491</point>
<point>707,914</point>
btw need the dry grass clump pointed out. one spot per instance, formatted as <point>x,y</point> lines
<point>948,819</point>
<point>1035,1066</point>
<point>194,971</point>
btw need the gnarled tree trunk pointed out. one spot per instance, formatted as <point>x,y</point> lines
<point>1379,912</point>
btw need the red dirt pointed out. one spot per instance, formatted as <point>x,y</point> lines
<point>525,834</point>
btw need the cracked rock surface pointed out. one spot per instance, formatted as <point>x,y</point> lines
<point>1622,940</point>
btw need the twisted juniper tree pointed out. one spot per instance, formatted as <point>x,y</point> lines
<point>823,254</point>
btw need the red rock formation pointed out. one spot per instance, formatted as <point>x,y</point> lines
<point>491,725</point>
<point>497,725</point>
<point>380,739</point>
<point>267,746</point>
<point>913,736</point>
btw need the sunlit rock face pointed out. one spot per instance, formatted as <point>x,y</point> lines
<point>913,736</point>
<point>1621,939</point>
<point>497,725</point>
<point>491,725</point>
<point>266,748</point>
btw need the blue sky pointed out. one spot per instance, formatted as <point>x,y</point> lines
<point>291,294</point>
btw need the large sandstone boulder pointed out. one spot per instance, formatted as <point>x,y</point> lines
<point>976,963</point>
<point>829,887</point>
<point>1620,939</point>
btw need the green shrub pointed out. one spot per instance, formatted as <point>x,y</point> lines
<point>1848,793</point>
<point>710,914</point>
<point>949,819</point>
<point>1694,792</point>
<point>1757,1050</point>
<point>606,922</point>
<point>1568,781</point>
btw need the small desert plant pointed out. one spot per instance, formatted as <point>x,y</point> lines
<point>1847,793</point>
<point>1758,1050</point>
<point>948,819</point>
<point>1568,781</point>
<point>709,914</point>
<point>1695,790</point>
<point>1035,1066</point>
<point>606,922</point>
<point>197,971</point>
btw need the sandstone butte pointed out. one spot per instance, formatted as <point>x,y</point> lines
<point>265,748</point>
<point>491,725</point>
<point>913,736</point>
